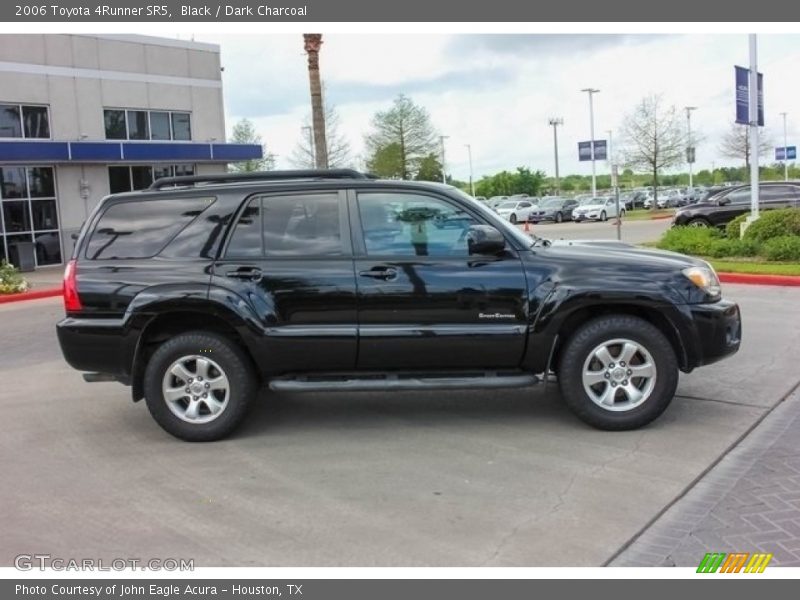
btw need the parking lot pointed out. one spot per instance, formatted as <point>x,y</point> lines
<point>632,231</point>
<point>501,478</point>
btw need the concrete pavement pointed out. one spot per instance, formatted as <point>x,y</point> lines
<point>635,232</point>
<point>503,478</point>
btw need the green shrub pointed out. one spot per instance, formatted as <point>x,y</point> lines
<point>725,247</point>
<point>784,247</point>
<point>733,228</point>
<point>11,282</point>
<point>774,223</point>
<point>690,240</point>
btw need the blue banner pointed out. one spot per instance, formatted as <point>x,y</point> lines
<point>743,97</point>
<point>584,151</point>
<point>787,153</point>
<point>600,150</point>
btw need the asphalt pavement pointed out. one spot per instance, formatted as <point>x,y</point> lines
<point>635,232</point>
<point>501,478</point>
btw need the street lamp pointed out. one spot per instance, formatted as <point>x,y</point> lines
<point>592,92</point>
<point>555,122</point>
<point>689,147</point>
<point>785,150</point>
<point>442,138</point>
<point>471,184</point>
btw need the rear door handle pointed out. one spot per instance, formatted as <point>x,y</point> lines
<point>247,273</point>
<point>384,273</point>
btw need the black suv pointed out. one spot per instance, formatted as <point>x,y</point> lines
<point>198,291</point>
<point>719,209</point>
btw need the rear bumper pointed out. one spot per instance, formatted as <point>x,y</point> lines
<point>718,331</point>
<point>97,345</point>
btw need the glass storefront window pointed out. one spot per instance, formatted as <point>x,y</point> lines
<point>10,124</point>
<point>36,121</point>
<point>29,213</point>
<point>137,125</point>
<point>181,126</point>
<point>159,126</point>
<point>115,125</point>
<point>119,179</point>
<point>141,177</point>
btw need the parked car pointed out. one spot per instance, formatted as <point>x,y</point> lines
<point>496,201</point>
<point>669,198</point>
<point>554,208</point>
<point>724,206</point>
<point>516,211</point>
<point>600,208</point>
<point>632,200</point>
<point>200,290</point>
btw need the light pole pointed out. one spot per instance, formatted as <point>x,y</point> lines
<point>592,92</point>
<point>310,133</point>
<point>442,138</point>
<point>555,122</point>
<point>753,43</point>
<point>471,184</point>
<point>689,147</point>
<point>785,150</point>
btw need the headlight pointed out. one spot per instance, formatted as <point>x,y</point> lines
<point>705,278</point>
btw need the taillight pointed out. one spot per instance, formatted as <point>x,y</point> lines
<point>72,302</point>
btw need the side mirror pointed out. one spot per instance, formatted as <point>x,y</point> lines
<point>723,201</point>
<point>485,239</point>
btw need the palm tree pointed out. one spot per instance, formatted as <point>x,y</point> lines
<point>312,43</point>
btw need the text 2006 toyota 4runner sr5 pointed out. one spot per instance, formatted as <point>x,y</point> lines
<point>199,290</point>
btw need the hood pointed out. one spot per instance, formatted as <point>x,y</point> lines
<point>583,207</point>
<point>623,253</point>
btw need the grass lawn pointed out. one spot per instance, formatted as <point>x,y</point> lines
<point>642,214</point>
<point>750,265</point>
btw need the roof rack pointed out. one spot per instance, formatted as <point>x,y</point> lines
<point>259,176</point>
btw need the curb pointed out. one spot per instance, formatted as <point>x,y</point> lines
<point>33,295</point>
<point>758,279</point>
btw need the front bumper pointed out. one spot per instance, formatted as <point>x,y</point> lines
<point>718,331</point>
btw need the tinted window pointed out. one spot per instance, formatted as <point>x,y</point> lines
<point>777,192</point>
<point>36,122</point>
<point>115,125</point>
<point>247,240</point>
<point>40,182</point>
<point>181,126</point>
<point>142,229</point>
<point>159,126</point>
<point>119,179</point>
<point>9,121</point>
<point>301,225</point>
<point>741,196</point>
<point>141,177</point>
<point>408,224</point>
<point>137,125</point>
<point>12,183</point>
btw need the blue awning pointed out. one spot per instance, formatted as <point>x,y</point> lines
<point>26,151</point>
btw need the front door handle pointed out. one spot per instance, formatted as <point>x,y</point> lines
<point>384,273</point>
<point>246,273</point>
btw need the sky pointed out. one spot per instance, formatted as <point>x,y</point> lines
<point>496,92</point>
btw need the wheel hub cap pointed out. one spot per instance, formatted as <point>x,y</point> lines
<point>619,374</point>
<point>195,389</point>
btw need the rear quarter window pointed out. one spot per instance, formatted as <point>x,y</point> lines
<point>142,228</point>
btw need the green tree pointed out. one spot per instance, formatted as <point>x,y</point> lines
<point>407,129</point>
<point>430,169</point>
<point>244,132</point>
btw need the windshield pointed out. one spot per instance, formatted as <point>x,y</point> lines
<point>507,204</point>
<point>588,201</point>
<point>552,203</point>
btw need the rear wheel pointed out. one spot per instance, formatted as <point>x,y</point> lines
<point>559,217</point>
<point>618,372</point>
<point>198,386</point>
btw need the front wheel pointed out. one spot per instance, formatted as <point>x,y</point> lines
<point>199,385</point>
<point>559,217</point>
<point>618,372</point>
<point>698,222</point>
<point>603,216</point>
<point>513,218</point>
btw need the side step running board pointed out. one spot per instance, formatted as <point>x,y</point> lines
<point>401,381</point>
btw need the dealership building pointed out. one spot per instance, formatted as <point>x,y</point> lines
<point>84,116</point>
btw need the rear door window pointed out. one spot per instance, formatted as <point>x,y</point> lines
<point>143,228</point>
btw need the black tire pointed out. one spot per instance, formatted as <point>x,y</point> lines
<point>603,216</point>
<point>581,345</point>
<point>559,217</point>
<point>513,218</point>
<point>698,222</point>
<point>234,364</point>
